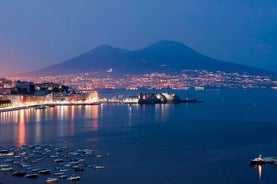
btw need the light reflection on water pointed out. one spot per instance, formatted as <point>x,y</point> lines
<point>38,125</point>
<point>72,115</point>
<point>21,129</point>
<point>260,168</point>
<point>161,112</point>
<point>129,115</point>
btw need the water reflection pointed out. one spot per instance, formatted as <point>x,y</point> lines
<point>59,122</point>
<point>11,116</point>
<point>129,115</point>
<point>61,129</point>
<point>260,172</point>
<point>72,117</point>
<point>259,169</point>
<point>21,129</point>
<point>38,115</point>
<point>161,111</point>
<point>94,116</point>
<point>38,130</point>
<point>64,115</point>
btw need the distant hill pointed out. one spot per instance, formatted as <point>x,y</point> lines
<point>163,56</point>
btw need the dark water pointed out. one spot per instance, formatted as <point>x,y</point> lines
<point>208,142</point>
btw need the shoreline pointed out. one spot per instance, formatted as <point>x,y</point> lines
<point>44,106</point>
<point>47,105</point>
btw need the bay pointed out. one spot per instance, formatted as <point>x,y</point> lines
<point>210,142</point>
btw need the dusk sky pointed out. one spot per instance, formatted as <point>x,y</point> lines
<point>39,33</point>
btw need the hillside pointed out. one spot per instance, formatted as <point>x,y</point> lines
<point>163,56</point>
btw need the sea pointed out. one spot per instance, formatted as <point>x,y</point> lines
<point>187,143</point>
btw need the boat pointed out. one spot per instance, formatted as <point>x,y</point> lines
<point>44,172</point>
<point>78,168</point>
<point>74,178</point>
<point>51,180</point>
<point>59,173</point>
<point>41,107</point>
<point>9,160</point>
<point>257,161</point>
<point>63,170</point>
<point>16,162</point>
<point>98,156</point>
<point>73,162</point>
<point>25,165</point>
<point>59,160</point>
<point>19,173</point>
<point>4,165</point>
<point>81,160</point>
<point>6,153</point>
<point>67,165</point>
<point>99,167</point>
<point>35,170</point>
<point>6,169</point>
<point>31,176</point>
<point>63,176</point>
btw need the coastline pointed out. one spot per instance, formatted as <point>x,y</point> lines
<point>44,105</point>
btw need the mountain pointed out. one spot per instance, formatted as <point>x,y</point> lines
<point>163,56</point>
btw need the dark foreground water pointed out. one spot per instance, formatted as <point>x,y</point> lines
<point>210,142</point>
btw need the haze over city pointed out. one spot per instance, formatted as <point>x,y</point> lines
<point>35,34</point>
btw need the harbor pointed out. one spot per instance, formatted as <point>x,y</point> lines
<point>49,162</point>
